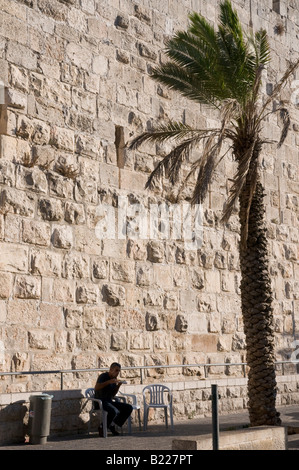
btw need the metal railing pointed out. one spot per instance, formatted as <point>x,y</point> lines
<point>205,366</point>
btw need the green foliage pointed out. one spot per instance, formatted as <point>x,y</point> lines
<point>221,68</point>
<point>209,66</point>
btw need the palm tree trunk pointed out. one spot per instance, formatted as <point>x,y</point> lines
<point>256,297</point>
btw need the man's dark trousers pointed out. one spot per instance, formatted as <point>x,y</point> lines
<point>118,412</point>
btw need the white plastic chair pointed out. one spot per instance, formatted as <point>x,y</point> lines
<point>156,394</point>
<point>89,394</point>
<point>133,402</point>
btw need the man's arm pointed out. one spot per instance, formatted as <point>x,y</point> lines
<point>118,384</point>
<point>101,385</point>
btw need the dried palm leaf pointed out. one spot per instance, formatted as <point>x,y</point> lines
<point>244,161</point>
<point>277,89</point>
<point>285,116</point>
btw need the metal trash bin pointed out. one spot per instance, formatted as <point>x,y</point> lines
<point>39,418</point>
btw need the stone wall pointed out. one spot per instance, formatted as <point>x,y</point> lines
<point>77,88</point>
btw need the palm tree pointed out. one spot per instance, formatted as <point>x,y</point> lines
<point>223,69</point>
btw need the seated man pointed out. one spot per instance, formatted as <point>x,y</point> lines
<point>106,388</point>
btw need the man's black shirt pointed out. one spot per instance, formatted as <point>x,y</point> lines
<point>108,392</point>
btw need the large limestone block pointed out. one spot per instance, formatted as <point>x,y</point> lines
<point>259,438</point>
<point>17,202</point>
<point>114,295</point>
<point>14,258</point>
<point>27,287</point>
<point>5,285</point>
<point>36,232</point>
<point>45,263</point>
<point>87,294</point>
<point>62,237</point>
<point>51,209</point>
<point>40,339</point>
<point>26,309</point>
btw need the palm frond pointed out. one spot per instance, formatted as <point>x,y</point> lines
<point>262,48</point>
<point>206,168</point>
<point>172,130</point>
<point>229,21</point>
<point>208,66</point>
<point>210,157</point>
<point>239,180</point>
<point>160,134</point>
<point>202,29</point>
<point>278,87</point>
<point>196,56</point>
<point>257,83</point>
<point>234,52</point>
<point>186,49</point>
<point>193,69</point>
<point>233,68</point>
<point>260,56</point>
<point>250,107</point>
<point>187,84</point>
<point>230,111</point>
<point>220,68</point>
<point>286,120</point>
<point>171,164</point>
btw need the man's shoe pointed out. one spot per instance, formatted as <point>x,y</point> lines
<point>100,429</point>
<point>113,430</point>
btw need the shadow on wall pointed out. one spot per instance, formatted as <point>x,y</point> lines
<point>69,415</point>
<point>13,426</point>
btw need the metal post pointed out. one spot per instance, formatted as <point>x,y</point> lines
<point>215,417</point>
<point>141,377</point>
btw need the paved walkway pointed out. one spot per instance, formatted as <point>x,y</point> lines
<point>157,437</point>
